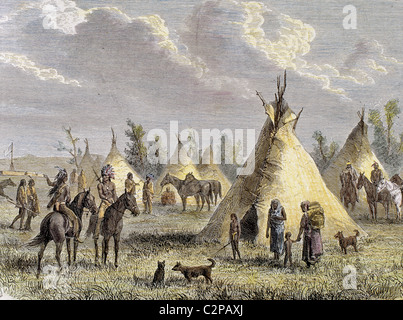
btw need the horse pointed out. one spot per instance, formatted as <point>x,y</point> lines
<point>216,189</point>
<point>348,192</point>
<point>373,197</point>
<point>395,193</point>
<point>56,226</point>
<point>112,223</point>
<point>197,188</point>
<point>6,183</point>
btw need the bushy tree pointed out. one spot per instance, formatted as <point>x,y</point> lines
<point>387,147</point>
<point>323,153</point>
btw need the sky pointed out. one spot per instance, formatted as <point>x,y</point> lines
<point>91,65</point>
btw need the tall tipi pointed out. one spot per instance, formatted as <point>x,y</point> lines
<point>282,170</point>
<point>121,168</point>
<point>357,151</point>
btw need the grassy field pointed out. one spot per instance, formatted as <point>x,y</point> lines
<point>168,234</point>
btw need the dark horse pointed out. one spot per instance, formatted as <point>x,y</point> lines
<point>6,183</point>
<point>56,226</point>
<point>216,189</point>
<point>197,188</point>
<point>112,223</point>
<point>348,192</point>
<point>383,197</point>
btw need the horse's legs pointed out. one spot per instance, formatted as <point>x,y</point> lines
<point>75,250</point>
<point>105,249</point>
<point>203,200</point>
<point>197,197</point>
<point>68,251</point>
<point>59,247</point>
<point>184,202</point>
<point>96,250</point>
<point>40,256</point>
<point>116,238</point>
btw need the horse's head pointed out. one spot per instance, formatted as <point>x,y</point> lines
<point>381,185</point>
<point>131,203</point>
<point>167,180</point>
<point>360,181</point>
<point>190,177</point>
<point>89,201</point>
<point>10,182</point>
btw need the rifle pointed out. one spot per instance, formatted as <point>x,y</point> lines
<point>96,175</point>
<point>18,206</point>
<point>222,248</point>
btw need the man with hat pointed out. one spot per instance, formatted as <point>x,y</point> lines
<point>376,176</point>
<point>148,192</point>
<point>354,178</point>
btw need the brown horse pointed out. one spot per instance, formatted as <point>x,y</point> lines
<point>348,192</point>
<point>56,226</point>
<point>6,183</point>
<point>112,223</point>
<point>383,197</point>
<point>192,187</point>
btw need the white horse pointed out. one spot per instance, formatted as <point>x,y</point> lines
<point>395,193</point>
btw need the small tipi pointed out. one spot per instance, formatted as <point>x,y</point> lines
<point>357,151</point>
<point>208,170</point>
<point>282,170</point>
<point>121,168</point>
<point>90,167</point>
<point>179,166</point>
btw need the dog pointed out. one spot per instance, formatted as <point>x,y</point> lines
<point>194,272</point>
<point>159,274</point>
<point>349,241</point>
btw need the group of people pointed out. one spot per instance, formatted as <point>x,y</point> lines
<point>312,248</point>
<point>28,203</point>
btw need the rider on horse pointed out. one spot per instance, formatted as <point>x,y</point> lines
<point>60,197</point>
<point>354,177</point>
<point>376,176</point>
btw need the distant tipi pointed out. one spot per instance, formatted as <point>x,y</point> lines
<point>121,168</point>
<point>90,166</point>
<point>357,151</point>
<point>282,170</point>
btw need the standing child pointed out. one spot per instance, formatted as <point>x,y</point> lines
<point>234,235</point>
<point>288,248</point>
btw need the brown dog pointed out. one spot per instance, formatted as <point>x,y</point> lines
<point>194,272</point>
<point>349,241</point>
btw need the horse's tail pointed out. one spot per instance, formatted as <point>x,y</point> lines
<point>43,233</point>
<point>212,262</point>
<point>210,193</point>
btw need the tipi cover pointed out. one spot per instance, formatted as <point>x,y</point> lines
<point>90,167</point>
<point>282,170</point>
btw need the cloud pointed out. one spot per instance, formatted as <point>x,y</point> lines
<point>28,66</point>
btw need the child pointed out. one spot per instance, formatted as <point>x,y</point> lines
<point>234,235</point>
<point>287,248</point>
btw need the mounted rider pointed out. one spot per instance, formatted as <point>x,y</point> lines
<point>376,176</point>
<point>354,177</point>
<point>107,194</point>
<point>60,197</point>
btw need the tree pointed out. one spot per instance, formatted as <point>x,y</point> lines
<point>387,147</point>
<point>136,152</point>
<point>74,151</point>
<point>323,153</point>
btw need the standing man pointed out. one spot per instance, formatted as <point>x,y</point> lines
<point>21,204</point>
<point>148,193</point>
<point>33,204</point>
<point>60,197</point>
<point>107,194</point>
<point>130,185</point>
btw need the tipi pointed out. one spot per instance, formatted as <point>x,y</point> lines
<point>121,168</point>
<point>356,150</point>
<point>282,170</point>
<point>90,167</point>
